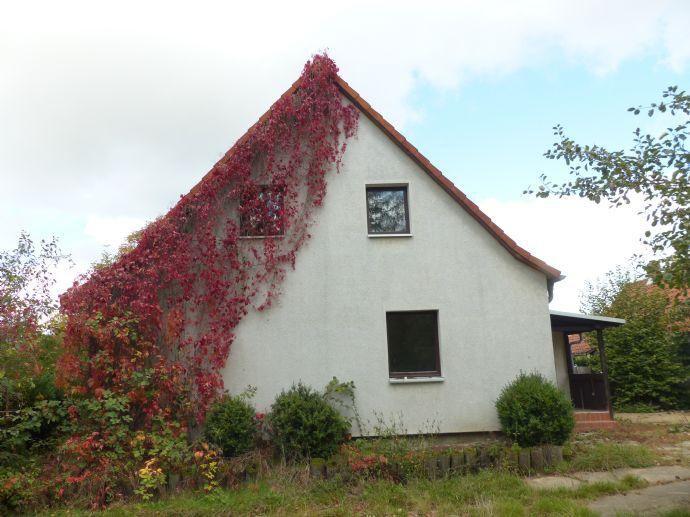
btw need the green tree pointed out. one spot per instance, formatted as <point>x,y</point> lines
<point>645,358</point>
<point>657,168</point>
<point>29,333</point>
<point>108,258</point>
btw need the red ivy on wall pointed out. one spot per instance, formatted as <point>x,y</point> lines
<point>157,325</point>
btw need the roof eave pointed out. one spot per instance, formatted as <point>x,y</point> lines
<point>576,322</point>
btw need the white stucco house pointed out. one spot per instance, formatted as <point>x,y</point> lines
<point>408,289</point>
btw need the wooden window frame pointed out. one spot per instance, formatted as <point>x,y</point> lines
<point>426,373</point>
<point>405,191</point>
<point>244,235</point>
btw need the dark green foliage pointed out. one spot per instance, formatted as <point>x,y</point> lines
<point>30,430</point>
<point>590,360</point>
<point>33,410</point>
<point>304,425</point>
<point>682,341</point>
<point>649,356</point>
<point>533,411</point>
<point>645,365</point>
<point>231,425</point>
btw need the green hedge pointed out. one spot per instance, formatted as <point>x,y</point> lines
<point>304,425</point>
<point>231,425</point>
<point>533,411</point>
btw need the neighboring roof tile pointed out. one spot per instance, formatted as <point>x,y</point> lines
<point>581,348</point>
<point>574,338</point>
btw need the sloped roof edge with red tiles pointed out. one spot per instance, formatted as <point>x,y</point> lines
<point>509,244</point>
<point>518,252</point>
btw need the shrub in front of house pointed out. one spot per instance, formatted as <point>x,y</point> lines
<point>304,425</point>
<point>533,411</point>
<point>231,425</point>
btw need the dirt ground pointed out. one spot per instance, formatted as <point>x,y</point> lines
<point>665,433</point>
<point>662,417</point>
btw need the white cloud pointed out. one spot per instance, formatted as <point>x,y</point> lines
<point>111,231</point>
<point>109,111</point>
<point>676,40</point>
<point>98,234</point>
<point>582,239</point>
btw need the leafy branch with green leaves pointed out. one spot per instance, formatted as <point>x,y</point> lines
<point>656,168</point>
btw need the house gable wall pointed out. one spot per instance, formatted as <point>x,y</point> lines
<point>330,318</point>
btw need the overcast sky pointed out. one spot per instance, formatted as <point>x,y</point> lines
<point>108,112</point>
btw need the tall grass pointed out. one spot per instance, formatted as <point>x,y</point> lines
<point>486,493</point>
<point>609,456</point>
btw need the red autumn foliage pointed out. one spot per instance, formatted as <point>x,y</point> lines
<point>157,325</point>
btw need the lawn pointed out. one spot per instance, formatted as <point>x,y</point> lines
<point>486,493</point>
<point>289,490</point>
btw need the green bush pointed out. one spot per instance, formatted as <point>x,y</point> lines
<point>304,425</point>
<point>30,430</point>
<point>230,424</point>
<point>533,411</point>
<point>18,488</point>
<point>644,357</point>
<point>648,357</point>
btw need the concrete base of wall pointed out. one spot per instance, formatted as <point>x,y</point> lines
<point>449,439</point>
<point>468,438</point>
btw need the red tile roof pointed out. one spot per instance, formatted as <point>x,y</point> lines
<point>509,244</point>
<point>574,338</point>
<point>581,348</point>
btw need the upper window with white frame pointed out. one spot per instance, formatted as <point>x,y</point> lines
<point>387,210</point>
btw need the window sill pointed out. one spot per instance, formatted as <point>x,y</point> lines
<point>253,237</point>
<point>414,380</point>
<point>385,235</point>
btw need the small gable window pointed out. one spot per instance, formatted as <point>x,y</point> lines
<point>387,210</point>
<point>413,344</point>
<point>261,211</point>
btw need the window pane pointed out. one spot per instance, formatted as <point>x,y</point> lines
<point>413,342</point>
<point>387,210</point>
<point>262,212</point>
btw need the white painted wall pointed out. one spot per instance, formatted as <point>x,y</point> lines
<point>330,319</point>
<point>561,361</point>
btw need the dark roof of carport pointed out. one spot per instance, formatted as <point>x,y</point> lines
<point>574,322</point>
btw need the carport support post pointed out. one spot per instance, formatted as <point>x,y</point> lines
<point>604,368</point>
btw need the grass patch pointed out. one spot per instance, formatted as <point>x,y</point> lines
<point>679,512</point>
<point>554,505</point>
<point>487,493</point>
<point>607,456</point>
<point>589,491</point>
<point>288,490</point>
<point>636,408</point>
